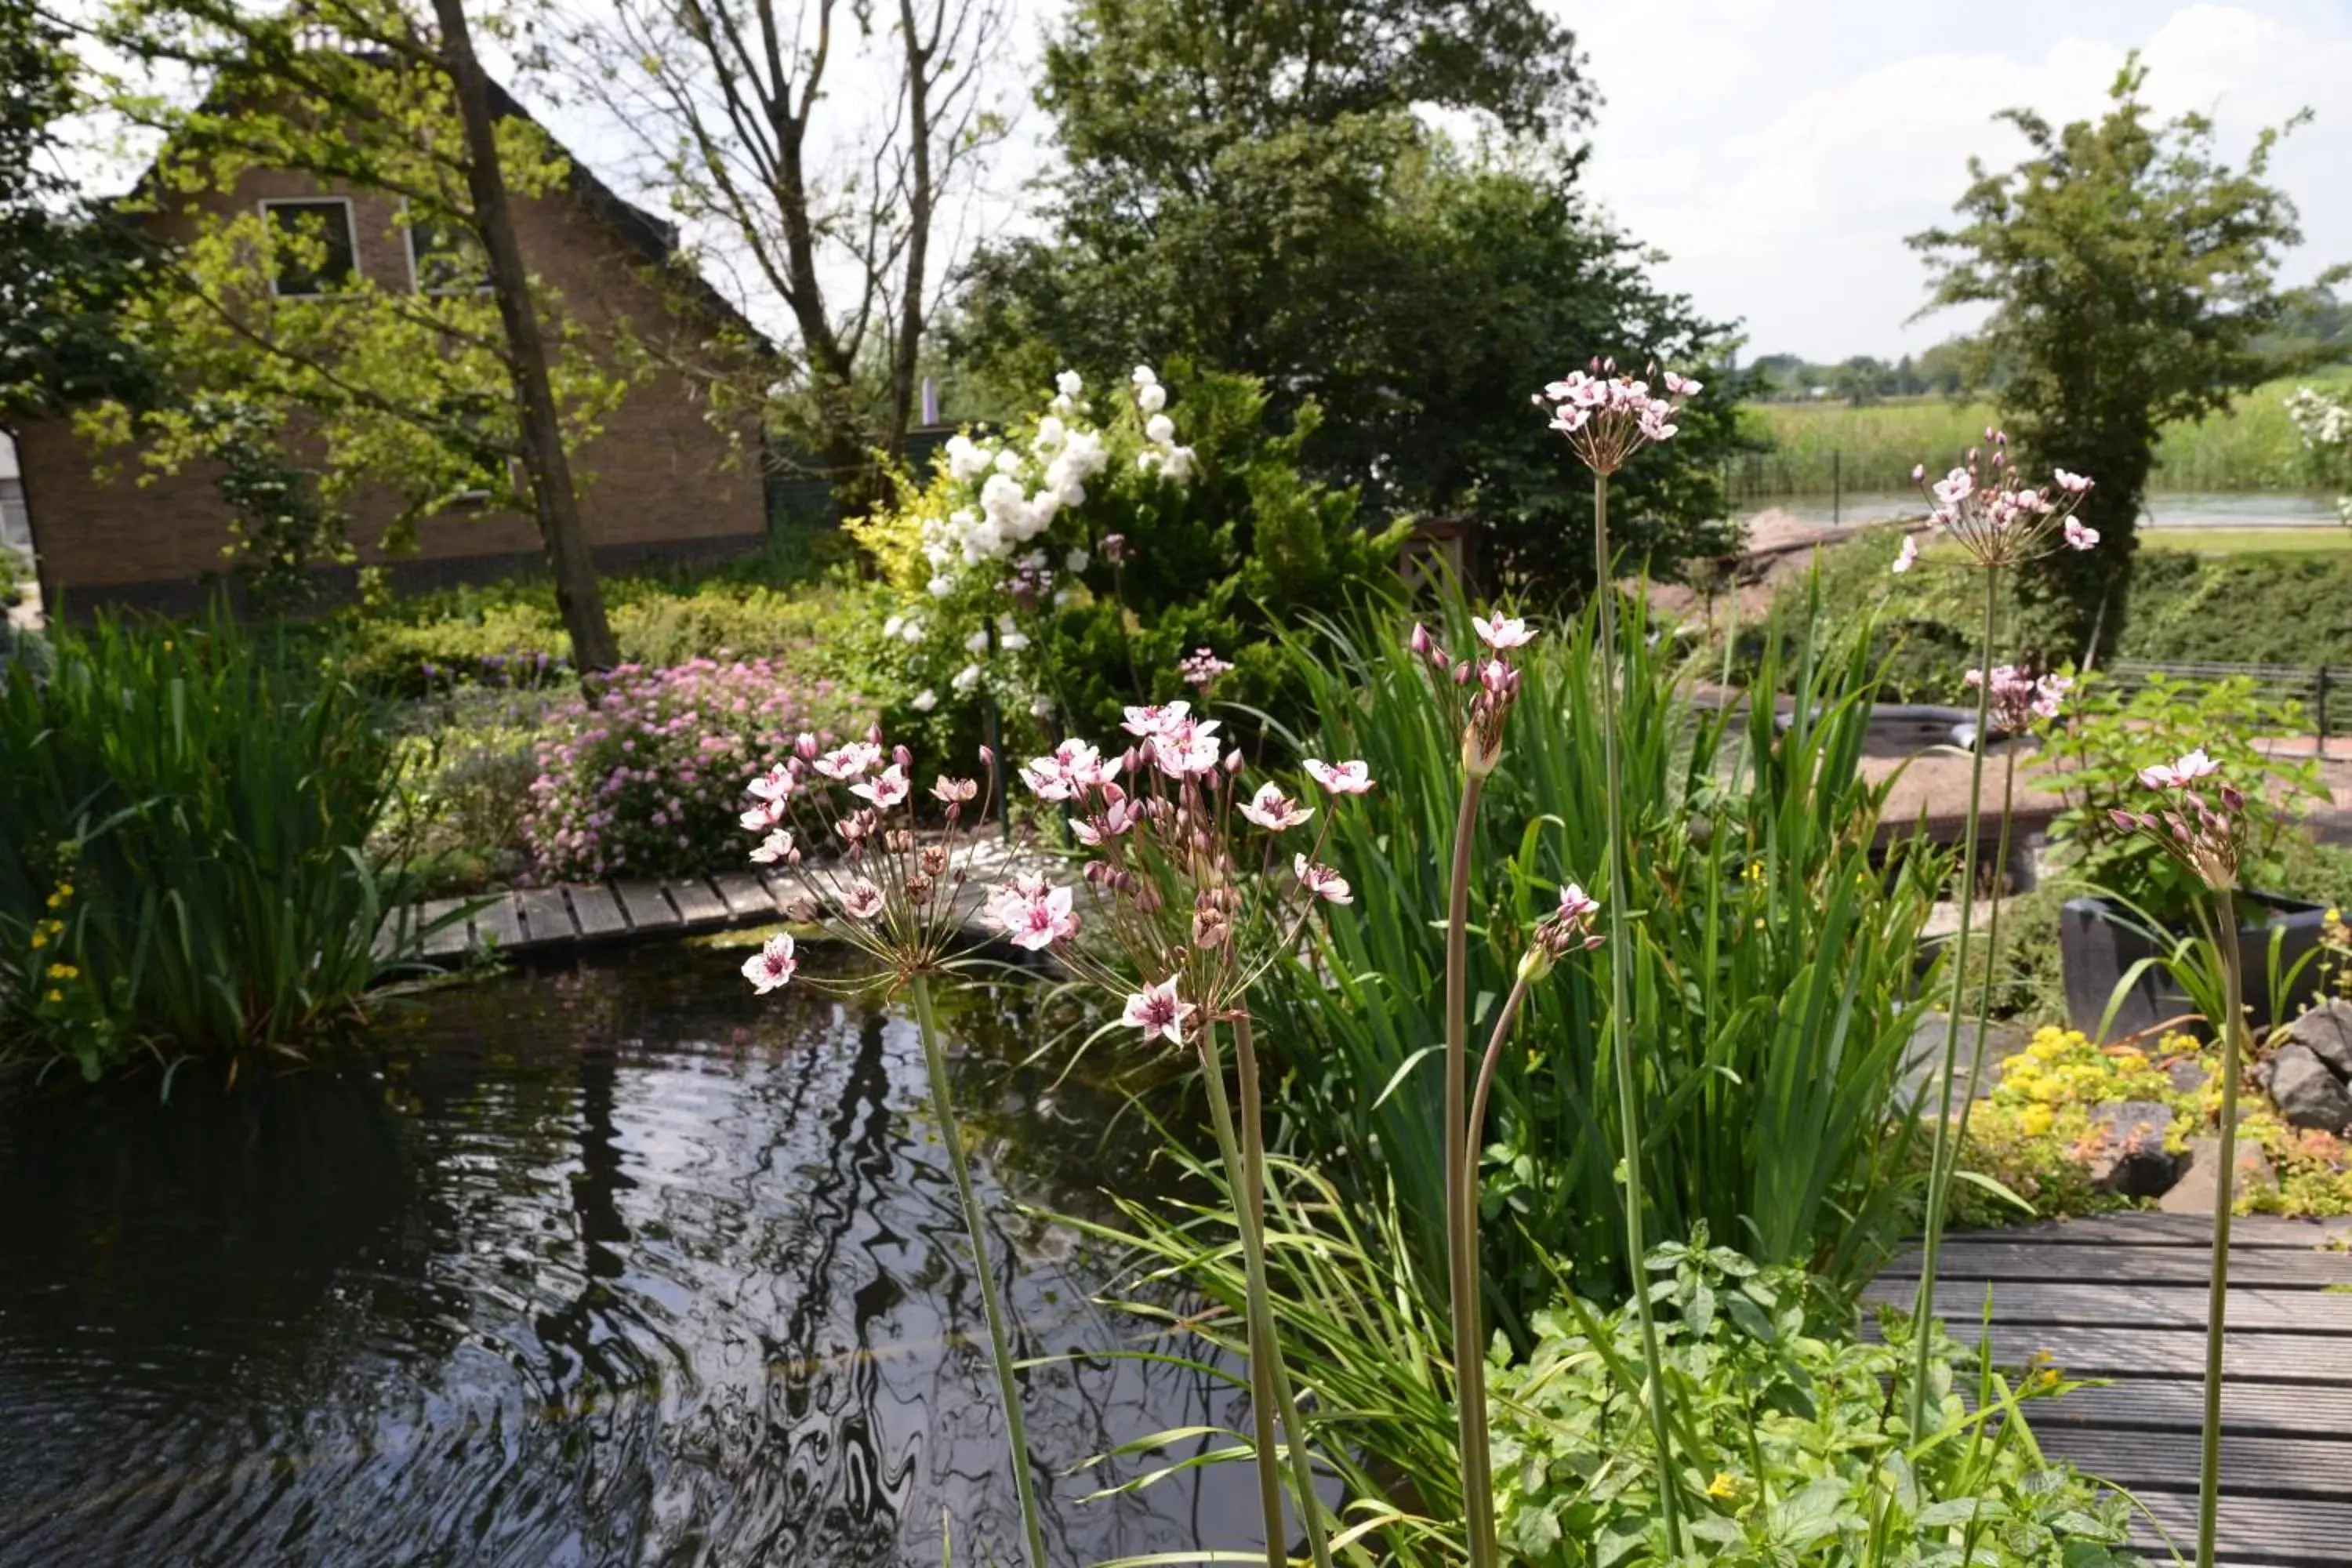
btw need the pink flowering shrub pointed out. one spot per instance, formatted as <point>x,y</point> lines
<point>645,782</point>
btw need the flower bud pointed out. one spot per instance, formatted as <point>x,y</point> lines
<point>1420,640</point>
<point>1234,761</point>
<point>903,757</point>
<point>1535,962</point>
<point>873,734</point>
<point>2233,797</point>
<point>987,757</point>
<point>1462,673</point>
<point>805,748</point>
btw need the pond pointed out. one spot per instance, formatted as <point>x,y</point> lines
<point>2164,509</point>
<point>615,1264</point>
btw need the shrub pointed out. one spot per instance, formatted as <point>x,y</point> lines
<point>1806,1461</point>
<point>647,780</point>
<point>466,763</point>
<point>1067,566</point>
<point>183,867</point>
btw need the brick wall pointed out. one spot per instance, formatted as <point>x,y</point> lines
<point>655,481</point>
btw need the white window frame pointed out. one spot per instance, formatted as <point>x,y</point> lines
<point>415,280</point>
<point>350,232</point>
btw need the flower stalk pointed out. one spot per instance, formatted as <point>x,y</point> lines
<point>2217,1298</point>
<point>1621,1043</point>
<point>992,1295</point>
<point>1461,1255</point>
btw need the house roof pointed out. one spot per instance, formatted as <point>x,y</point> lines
<point>655,239</point>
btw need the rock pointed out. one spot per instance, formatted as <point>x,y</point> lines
<point>2188,1075</point>
<point>2128,1156</point>
<point>1923,1057</point>
<point>2307,1094</point>
<point>2326,1033</point>
<point>2194,1193</point>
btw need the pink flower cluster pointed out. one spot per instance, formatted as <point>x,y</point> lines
<point>2210,837</point>
<point>1608,417</point>
<point>2019,698</point>
<point>1997,519</point>
<point>1496,688</point>
<point>1163,873</point>
<point>644,782</point>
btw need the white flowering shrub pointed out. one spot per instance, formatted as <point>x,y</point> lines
<point>1112,543</point>
<point>2326,422</point>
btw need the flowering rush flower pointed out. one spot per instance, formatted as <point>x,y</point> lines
<point>1184,868</point>
<point>2020,698</point>
<point>1997,519</point>
<point>1489,695</point>
<point>1608,416</point>
<point>2209,837</point>
<point>1568,928</point>
<point>889,886</point>
<point>1200,668</point>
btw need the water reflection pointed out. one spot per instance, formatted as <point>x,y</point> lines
<point>608,1266</point>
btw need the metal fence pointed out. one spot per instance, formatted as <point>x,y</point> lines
<point>2321,690</point>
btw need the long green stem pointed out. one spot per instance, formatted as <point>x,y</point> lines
<point>1302,1463</point>
<point>1945,1149</point>
<point>991,1301</point>
<point>2217,1300</point>
<point>1469,1352</point>
<point>1991,948</point>
<point>1257,1319</point>
<point>1621,1046</point>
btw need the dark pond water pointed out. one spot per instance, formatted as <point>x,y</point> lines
<point>615,1265</point>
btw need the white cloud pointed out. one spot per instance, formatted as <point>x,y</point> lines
<point>1780,154</point>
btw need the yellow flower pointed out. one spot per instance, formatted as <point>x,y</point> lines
<point>56,994</point>
<point>40,937</point>
<point>1723,1486</point>
<point>2036,1119</point>
<point>64,972</point>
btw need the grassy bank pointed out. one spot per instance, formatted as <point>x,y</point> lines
<point>2252,446</point>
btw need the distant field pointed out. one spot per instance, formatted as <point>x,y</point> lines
<point>2252,446</point>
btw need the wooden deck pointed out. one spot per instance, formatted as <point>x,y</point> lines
<point>2122,1298</point>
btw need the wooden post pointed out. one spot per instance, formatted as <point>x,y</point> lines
<point>2320,706</point>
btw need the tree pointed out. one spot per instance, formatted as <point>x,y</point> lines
<point>65,271</point>
<point>2133,275</point>
<point>1260,191</point>
<point>749,114</point>
<point>425,394</point>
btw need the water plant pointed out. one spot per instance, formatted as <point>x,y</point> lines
<point>2209,837</point>
<point>184,868</point>
<point>845,819</point>
<point>1189,881</point>
<point>1998,523</point>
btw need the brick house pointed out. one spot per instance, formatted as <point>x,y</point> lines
<point>656,481</point>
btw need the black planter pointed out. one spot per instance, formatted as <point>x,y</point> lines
<point>2099,942</point>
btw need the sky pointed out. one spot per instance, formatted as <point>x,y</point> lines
<point>1778,150</point>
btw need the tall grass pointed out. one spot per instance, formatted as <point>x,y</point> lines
<point>182,866</point>
<point>1774,964</point>
<point>2250,446</point>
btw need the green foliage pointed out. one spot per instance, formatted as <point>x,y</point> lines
<point>277,526</point>
<point>182,861</point>
<point>2111,734</point>
<point>1784,1427</point>
<point>1774,964</point>
<point>2133,278</point>
<point>66,272</point>
<point>408,391</point>
<point>1257,189</point>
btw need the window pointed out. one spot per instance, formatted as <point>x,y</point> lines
<point>442,258</point>
<point>318,254</point>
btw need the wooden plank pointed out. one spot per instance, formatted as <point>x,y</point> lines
<point>546,918</point>
<point>2253,1356</point>
<point>595,911</point>
<point>2151,1229</point>
<point>2178,1404</point>
<point>747,898</point>
<point>783,887</point>
<point>2304,1534</point>
<point>2060,1264</point>
<point>500,921</point>
<point>450,939</point>
<point>697,902</point>
<point>2168,1461</point>
<point>1961,1303</point>
<point>647,908</point>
